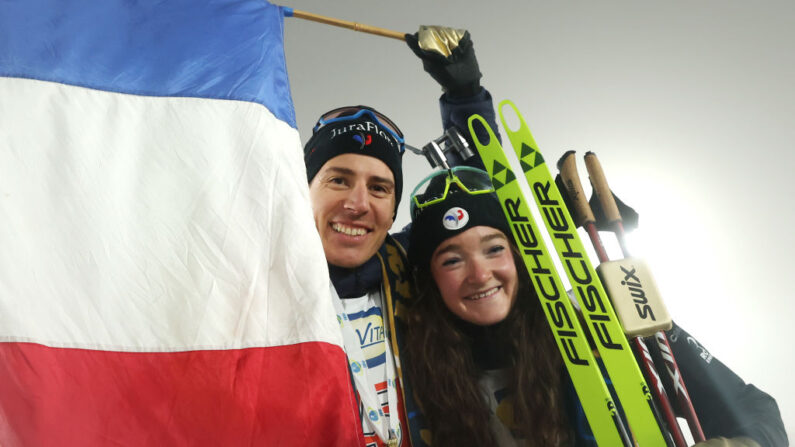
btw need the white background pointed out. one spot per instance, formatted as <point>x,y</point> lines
<point>690,107</point>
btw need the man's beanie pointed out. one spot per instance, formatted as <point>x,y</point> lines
<point>361,136</point>
<point>457,213</point>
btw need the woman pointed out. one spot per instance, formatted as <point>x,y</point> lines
<point>481,328</point>
<point>480,354</point>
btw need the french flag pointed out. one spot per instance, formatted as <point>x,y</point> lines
<point>161,279</point>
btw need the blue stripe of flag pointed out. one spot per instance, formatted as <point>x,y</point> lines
<point>224,49</point>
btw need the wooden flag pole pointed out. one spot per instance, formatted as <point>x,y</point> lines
<point>347,24</point>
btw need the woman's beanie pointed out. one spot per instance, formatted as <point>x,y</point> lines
<point>457,213</point>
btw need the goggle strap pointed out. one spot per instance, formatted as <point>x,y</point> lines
<point>385,122</point>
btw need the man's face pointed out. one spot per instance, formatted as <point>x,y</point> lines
<point>353,200</point>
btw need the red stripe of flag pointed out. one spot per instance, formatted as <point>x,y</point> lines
<point>255,396</point>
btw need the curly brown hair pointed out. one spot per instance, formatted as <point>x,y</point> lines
<point>439,362</point>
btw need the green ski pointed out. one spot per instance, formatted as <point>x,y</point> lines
<point>571,340</point>
<point>600,317</point>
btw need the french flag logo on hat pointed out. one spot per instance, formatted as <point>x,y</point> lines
<point>455,218</point>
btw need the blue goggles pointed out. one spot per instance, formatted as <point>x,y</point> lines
<point>355,112</point>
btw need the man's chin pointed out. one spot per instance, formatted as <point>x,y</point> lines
<point>348,260</point>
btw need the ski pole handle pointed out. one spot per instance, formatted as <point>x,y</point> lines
<point>583,214</point>
<point>599,182</point>
<point>289,12</point>
<point>567,165</point>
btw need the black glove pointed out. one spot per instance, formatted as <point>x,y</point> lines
<point>448,56</point>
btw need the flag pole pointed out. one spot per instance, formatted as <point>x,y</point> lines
<point>289,12</point>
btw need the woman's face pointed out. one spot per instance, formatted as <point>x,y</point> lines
<point>476,275</point>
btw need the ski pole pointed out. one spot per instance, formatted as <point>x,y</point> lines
<point>602,190</point>
<point>584,217</point>
<point>355,26</point>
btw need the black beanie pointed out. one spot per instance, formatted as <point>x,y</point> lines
<point>362,136</point>
<point>457,213</point>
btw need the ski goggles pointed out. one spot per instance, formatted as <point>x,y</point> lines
<point>355,112</point>
<point>438,185</point>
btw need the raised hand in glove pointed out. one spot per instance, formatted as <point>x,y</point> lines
<point>448,56</point>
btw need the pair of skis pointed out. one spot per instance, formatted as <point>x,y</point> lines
<point>598,313</point>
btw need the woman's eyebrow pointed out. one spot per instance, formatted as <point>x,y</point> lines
<point>493,236</point>
<point>447,248</point>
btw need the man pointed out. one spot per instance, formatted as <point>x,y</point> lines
<point>353,162</point>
